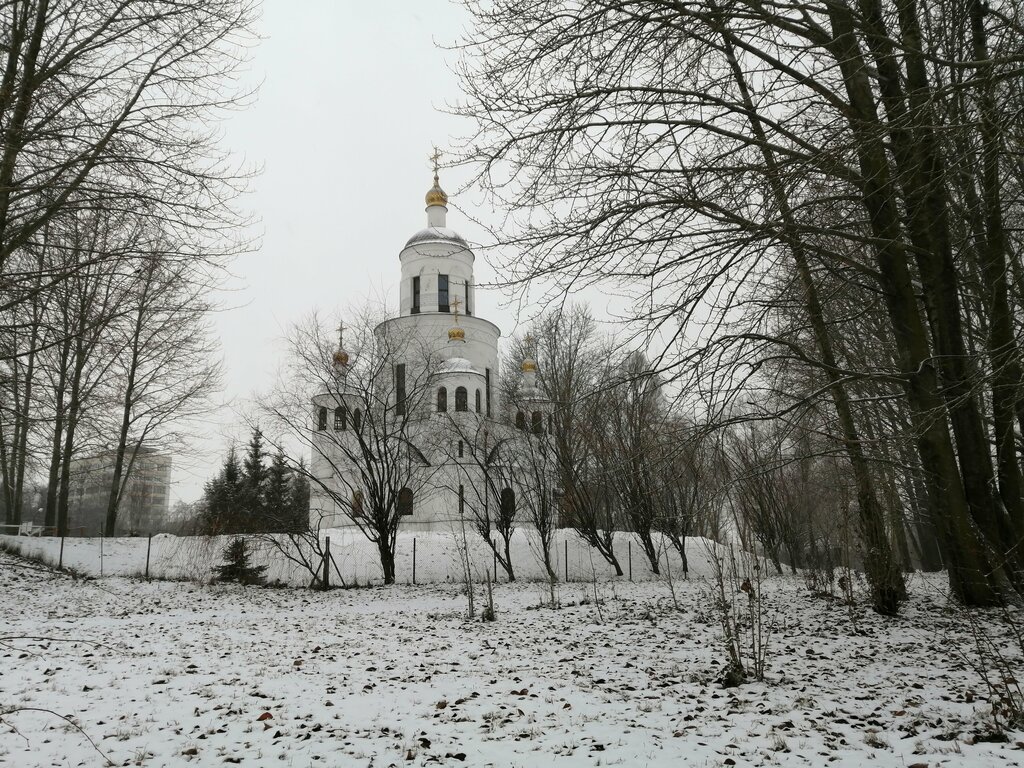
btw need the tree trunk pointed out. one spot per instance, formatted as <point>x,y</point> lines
<point>887,585</point>
<point>50,517</point>
<point>921,173</point>
<point>970,569</point>
<point>387,559</point>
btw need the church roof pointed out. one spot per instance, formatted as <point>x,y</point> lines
<point>437,235</point>
<point>457,365</point>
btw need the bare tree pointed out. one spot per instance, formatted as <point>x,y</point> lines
<point>479,450</point>
<point>656,172</point>
<point>371,434</point>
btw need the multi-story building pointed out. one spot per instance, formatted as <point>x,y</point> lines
<point>144,498</point>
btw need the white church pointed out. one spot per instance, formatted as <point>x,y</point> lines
<point>434,391</point>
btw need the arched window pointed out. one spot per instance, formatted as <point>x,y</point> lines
<point>461,399</point>
<point>538,423</point>
<point>321,419</point>
<point>340,418</point>
<point>520,420</point>
<point>508,503</point>
<point>442,400</point>
<point>478,401</point>
<point>357,420</point>
<point>405,501</point>
<point>357,503</point>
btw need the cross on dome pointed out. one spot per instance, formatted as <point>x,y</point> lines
<point>436,195</point>
<point>455,304</point>
<point>340,355</point>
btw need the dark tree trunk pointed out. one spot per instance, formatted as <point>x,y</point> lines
<point>887,585</point>
<point>970,569</point>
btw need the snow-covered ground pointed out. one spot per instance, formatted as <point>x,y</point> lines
<point>172,674</point>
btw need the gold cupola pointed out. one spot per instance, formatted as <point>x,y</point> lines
<point>529,365</point>
<point>340,356</point>
<point>436,195</point>
<point>456,333</point>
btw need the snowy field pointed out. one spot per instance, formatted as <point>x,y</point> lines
<point>172,674</point>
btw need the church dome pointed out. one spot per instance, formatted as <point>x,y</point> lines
<point>436,195</point>
<point>437,235</point>
<point>457,365</point>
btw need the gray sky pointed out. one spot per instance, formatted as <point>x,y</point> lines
<point>342,126</point>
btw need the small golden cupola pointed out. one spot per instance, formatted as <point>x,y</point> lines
<point>529,365</point>
<point>456,333</point>
<point>436,195</point>
<point>437,200</point>
<point>340,356</point>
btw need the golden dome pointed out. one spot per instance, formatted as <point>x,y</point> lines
<point>528,366</point>
<point>456,334</point>
<point>436,195</point>
<point>340,357</point>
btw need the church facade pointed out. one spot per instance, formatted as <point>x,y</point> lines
<point>418,427</point>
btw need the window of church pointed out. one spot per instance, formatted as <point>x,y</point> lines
<point>340,418</point>
<point>478,401</point>
<point>442,400</point>
<point>508,503</point>
<point>416,295</point>
<point>461,399</point>
<point>487,390</point>
<point>538,423</point>
<point>462,500</point>
<point>321,419</point>
<point>442,294</point>
<point>357,503</point>
<point>405,502</point>
<point>460,449</point>
<point>520,420</point>
<point>357,420</point>
<point>400,389</point>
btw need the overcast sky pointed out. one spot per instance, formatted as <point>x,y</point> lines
<point>350,103</point>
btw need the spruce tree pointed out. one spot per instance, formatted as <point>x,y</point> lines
<point>222,498</point>
<point>277,495</point>
<point>298,499</point>
<point>254,476</point>
<point>237,567</point>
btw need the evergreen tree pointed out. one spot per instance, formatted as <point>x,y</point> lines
<point>298,499</point>
<point>237,567</point>
<point>254,475</point>
<point>277,494</point>
<point>223,499</point>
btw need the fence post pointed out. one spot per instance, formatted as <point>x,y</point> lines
<point>566,561</point>
<point>495,564</point>
<point>629,550</point>
<point>60,560</point>
<point>101,552</point>
<point>413,559</point>
<point>327,562</point>
<point>149,544</point>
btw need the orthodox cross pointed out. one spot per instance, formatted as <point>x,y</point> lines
<point>455,308</point>
<point>341,334</point>
<point>435,159</point>
<point>529,343</point>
